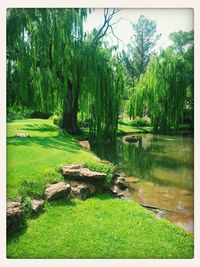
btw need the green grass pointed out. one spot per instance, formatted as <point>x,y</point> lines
<point>100,227</point>
<point>33,162</point>
<point>132,129</point>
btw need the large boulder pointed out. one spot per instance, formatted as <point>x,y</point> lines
<point>37,205</point>
<point>79,171</point>
<point>15,218</point>
<point>58,190</point>
<point>81,190</point>
<point>84,144</point>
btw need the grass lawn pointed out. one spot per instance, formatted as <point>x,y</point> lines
<point>100,227</point>
<point>35,161</point>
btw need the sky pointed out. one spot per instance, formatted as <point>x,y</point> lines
<point>168,21</point>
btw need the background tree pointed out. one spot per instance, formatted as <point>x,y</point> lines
<point>183,45</point>
<point>138,54</point>
<point>161,91</point>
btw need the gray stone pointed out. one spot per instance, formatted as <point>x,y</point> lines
<point>37,205</point>
<point>79,171</point>
<point>22,135</point>
<point>82,190</point>
<point>121,183</point>
<point>15,217</point>
<point>84,144</point>
<point>58,190</point>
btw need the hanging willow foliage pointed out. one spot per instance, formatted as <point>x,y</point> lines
<point>51,66</point>
<point>161,91</point>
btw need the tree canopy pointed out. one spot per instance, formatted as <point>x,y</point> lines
<point>52,64</point>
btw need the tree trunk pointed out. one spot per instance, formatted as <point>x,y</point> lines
<point>70,110</point>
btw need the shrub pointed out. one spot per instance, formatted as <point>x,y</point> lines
<point>40,115</point>
<point>30,189</point>
<point>140,122</point>
<point>26,206</point>
<point>13,114</point>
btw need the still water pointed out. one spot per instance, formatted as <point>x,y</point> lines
<point>159,170</point>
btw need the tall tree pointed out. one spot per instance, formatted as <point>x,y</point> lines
<point>141,46</point>
<point>138,54</point>
<point>51,64</point>
<point>183,45</point>
<point>161,91</point>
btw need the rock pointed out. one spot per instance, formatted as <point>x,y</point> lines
<point>15,217</point>
<point>81,190</point>
<point>22,135</point>
<point>84,144</point>
<point>58,190</point>
<point>79,171</point>
<point>132,179</point>
<point>118,187</point>
<point>132,139</point>
<point>121,183</point>
<point>37,205</point>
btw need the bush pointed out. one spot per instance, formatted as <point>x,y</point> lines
<point>26,206</point>
<point>40,115</point>
<point>13,114</point>
<point>30,189</point>
<point>140,122</point>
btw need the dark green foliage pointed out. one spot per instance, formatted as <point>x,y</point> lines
<point>40,115</point>
<point>137,57</point>
<point>16,114</point>
<point>140,122</point>
<point>51,65</point>
<point>161,91</point>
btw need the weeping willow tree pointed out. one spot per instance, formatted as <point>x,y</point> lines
<point>161,91</point>
<point>52,65</point>
<point>103,87</point>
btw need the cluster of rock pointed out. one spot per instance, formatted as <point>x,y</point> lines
<point>15,214</point>
<point>79,182</point>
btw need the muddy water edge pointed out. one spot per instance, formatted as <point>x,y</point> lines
<point>159,171</point>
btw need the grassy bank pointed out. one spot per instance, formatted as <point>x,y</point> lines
<point>100,227</point>
<point>126,129</point>
<point>33,162</point>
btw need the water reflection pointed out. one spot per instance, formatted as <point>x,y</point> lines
<point>165,166</point>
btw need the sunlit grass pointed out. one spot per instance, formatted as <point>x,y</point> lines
<point>37,159</point>
<point>100,227</point>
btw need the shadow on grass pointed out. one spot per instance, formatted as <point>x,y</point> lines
<point>103,196</point>
<point>54,203</point>
<point>40,128</point>
<point>63,143</point>
<point>61,203</point>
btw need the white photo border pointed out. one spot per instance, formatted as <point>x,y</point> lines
<point>194,4</point>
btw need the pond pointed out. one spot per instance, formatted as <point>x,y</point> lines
<point>159,171</point>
